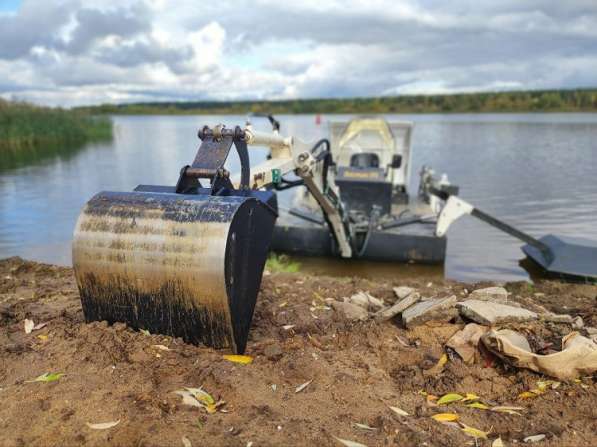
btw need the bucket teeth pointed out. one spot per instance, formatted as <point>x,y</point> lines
<point>188,266</point>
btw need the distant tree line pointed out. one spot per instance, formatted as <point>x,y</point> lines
<point>579,100</point>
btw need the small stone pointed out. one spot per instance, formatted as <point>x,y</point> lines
<point>400,306</point>
<point>437,309</point>
<point>498,294</point>
<point>591,330</point>
<point>489,313</point>
<point>534,438</point>
<point>403,292</point>
<point>350,311</point>
<point>578,323</point>
<point>273,352</point>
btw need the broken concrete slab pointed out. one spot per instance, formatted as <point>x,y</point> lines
<point>399,307</point>
<point>498,294</point>
<point>490,313</point>
<point>466,341</point>
<point>350,311</point>
<point>402,292</point>
<point>437,309</point>
<point>556,318</point>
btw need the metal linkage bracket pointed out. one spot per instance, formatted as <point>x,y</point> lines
<point>209,161</point>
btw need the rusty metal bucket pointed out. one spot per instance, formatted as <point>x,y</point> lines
<point>186,264</point>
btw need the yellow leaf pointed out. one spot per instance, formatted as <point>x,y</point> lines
<point>497,443</point>
<point>242,359</point>
<point>474,432</point>
<point>445,417</point>
<point>470,396</point>
<point>42,337</point>
<point>478,405</point>
<point>442,361</point>
<point>449,398</point>
<point>527,395</point>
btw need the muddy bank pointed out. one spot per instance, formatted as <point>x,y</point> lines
<point>357,369</point>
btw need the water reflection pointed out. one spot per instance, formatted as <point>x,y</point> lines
<point>537,172</point>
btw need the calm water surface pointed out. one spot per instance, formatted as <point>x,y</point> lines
<point>536,171</point>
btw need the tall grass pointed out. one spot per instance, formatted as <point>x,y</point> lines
<point>25,126</point>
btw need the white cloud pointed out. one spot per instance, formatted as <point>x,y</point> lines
<point>69,52</point>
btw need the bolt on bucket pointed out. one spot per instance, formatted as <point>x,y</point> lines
<point>185,265</point>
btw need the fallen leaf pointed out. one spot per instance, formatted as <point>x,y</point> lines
<point>287,327</point>
<point>161,347</point>
<point>445,417</point>
<point>478,405</point>
<point>29,325</point>
<point>144,331</point>
<point>39,326</point>
<point>509,410</point>
<point>534,438</point>
<point>348,443</point>
<point>497,443</point>
<point>399,411</point>
<point>363,426</point>
<point>430,399</point>
<point>543,385</point>
<point>186,442</point>
<point>438,367</point>
<point>303,386</point>
<point>449,398</point>
<point>527,395</point>
<point>47,377</point>
<point>474,432</point>
<point>42,337</point>
<point>103,425</point>
<point>197,397</point>
<point>242,359</point>
<point>470,396</point>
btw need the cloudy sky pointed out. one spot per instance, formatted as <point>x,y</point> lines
<point>70,52</point>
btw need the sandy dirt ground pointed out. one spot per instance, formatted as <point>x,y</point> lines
<point>357,370</point>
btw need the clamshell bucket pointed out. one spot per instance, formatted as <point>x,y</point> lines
<point>182,264</point>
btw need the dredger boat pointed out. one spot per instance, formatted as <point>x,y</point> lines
<point>371,169</point>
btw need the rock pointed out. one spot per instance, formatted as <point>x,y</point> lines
<point>403,292</point>
<point>465,341</point>
<point>400,306</point>
<point>591,330</point>
<point>273,352</point>
<point>555,318</point>
<point>424,311</point>
<point>578,323</point>
<point>534,438</point>
<point>350,311</point>
<point>366,301</point>
<point>489,313</point>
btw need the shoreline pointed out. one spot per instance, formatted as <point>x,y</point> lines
<point>355,370</point>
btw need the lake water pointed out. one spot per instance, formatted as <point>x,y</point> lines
<point>536,171</point>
